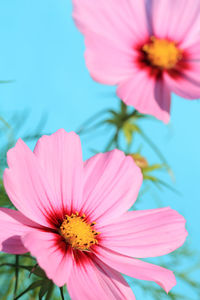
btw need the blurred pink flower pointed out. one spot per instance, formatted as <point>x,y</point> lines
<point>148,48</point>
<point>73,218</point>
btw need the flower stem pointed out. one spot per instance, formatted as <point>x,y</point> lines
<point>16,274</point>
<point>61,293</point>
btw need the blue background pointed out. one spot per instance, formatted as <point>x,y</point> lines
<point>42,50</point>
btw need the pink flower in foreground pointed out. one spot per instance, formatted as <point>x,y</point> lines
<point>73,217</point>
<point>149,48</point>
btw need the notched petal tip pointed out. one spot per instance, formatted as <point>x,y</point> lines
<point>60,133</point>
<point>12,152</point>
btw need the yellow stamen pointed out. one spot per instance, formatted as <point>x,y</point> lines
<point>162,53</point>
<point>78,232</point>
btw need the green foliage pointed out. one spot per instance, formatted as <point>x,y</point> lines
<point>4,200</point>
<point>121,122</point>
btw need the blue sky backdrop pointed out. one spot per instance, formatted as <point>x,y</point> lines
<point>42,50</point>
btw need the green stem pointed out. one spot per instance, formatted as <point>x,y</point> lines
<point>6,81</point>
<point>16,274</point>
<point>90,120</point>
<point>61,293</point>
<point>50,292</point>
<point>5,123</point>
<point>28,268</point>
<point>32,286</point>
<point>113,139</point>
<point>89,129</point>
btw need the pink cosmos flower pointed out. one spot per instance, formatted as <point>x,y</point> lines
<point>149,48</point>
<point>73,217</point>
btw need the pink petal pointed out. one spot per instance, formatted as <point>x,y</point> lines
<point>91,279</point>
<point>187,86</point>
<point>108,19</point>
<point>112,182</point>
<point>146,94</point>
<point>178,20</point>
<point>52,254</point>
<point>60,156</point>
<point>27,186</point>
<point>192,73</point>
<point>137,268</point>
<point>193,51</point>
<point>110,35</point>
<point>116,279</point>
<point>107,63</point>
<point>146,233</point>
<point>13,226</point>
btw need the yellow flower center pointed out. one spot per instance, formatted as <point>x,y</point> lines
<point>162,53</point>
<point>78,232</point>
